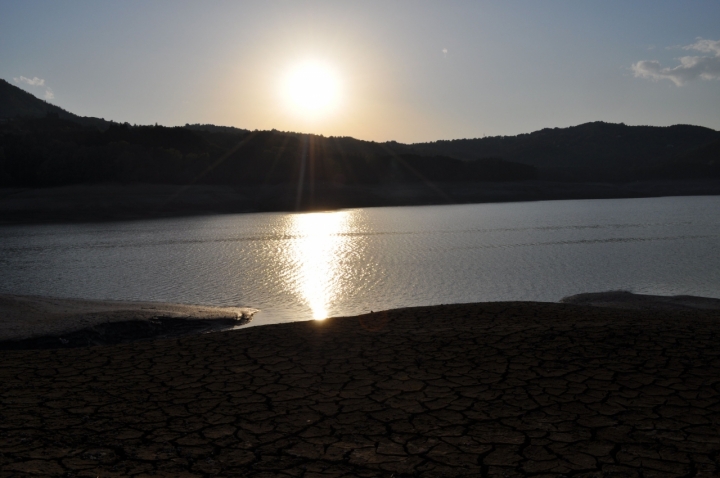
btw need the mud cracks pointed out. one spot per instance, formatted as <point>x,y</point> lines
<point>505,389</point>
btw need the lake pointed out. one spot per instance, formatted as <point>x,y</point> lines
<point>316,265</point>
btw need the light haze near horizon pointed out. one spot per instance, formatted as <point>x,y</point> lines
<point>408,71</point>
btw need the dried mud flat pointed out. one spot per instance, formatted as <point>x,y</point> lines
<point>499,389</point>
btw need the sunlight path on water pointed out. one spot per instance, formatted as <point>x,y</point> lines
<point>317,258</point>
<point>310,266</point>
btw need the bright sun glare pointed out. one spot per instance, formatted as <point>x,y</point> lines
<point>312,90</point>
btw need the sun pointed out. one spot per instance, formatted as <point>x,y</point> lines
<point>311,90</point>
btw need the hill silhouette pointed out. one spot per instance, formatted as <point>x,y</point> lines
<point>699,163</point>
<point>44,146</point>
<point>50,151</point>
<point>17,103</point>
<point>590,151</point>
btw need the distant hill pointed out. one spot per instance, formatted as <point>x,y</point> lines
<point>211,128</point>
<point>591,151</point>
<point>15,102</point>
<point>268,157</point>
<point>51,151</point>
<point>699,163</point>
<point>42,145</point>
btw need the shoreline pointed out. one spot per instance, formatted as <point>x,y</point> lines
<point>38,322</point>
<point>493,389</point>
<point>118,202</point>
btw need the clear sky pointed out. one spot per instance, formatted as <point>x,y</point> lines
<point>379,70</point>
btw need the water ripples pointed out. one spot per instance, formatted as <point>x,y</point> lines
<point>303,266</point>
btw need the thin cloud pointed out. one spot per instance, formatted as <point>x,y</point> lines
<point>705,46</point>
<point>690,67</point>
<point>49,95</point>
<point>30,81</point>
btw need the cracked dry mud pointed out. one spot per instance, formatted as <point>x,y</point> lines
<point>502,389</point>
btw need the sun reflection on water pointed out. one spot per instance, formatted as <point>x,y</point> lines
<point>317,253</point>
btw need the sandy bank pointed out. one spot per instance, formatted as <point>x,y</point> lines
<point>23,317</point>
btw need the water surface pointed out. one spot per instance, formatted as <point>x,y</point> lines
<point>303,266</point>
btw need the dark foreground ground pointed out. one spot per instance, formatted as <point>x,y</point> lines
<point>501,389</point>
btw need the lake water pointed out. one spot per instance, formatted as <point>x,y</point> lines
<point>303,266</point>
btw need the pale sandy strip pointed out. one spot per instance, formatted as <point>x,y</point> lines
<point>30,316</point>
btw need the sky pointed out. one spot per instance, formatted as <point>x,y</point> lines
<point>409,71</point>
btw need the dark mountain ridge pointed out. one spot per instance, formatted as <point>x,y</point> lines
<point>205,168</point>
<point>41,152</point>
<point>589,151</point>
<point>17,103</point>
<point>699,163</point>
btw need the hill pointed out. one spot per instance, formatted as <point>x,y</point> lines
<point>55,165</point>
<point>50,151</point>
<point>699,163</point>
<point>591,151</point>
<point>17,103</point>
